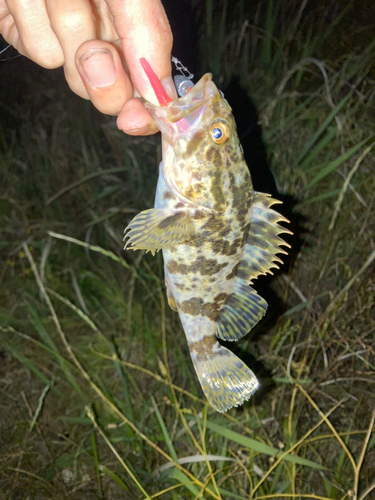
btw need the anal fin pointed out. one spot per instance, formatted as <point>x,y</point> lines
<point>158,228</point>
<point>242,310</point>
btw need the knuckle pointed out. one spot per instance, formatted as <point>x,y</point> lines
<point>46,52</point>
<point>163,34</point>
<point>72,21</point>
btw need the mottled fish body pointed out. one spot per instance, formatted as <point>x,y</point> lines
<point>217,235</point>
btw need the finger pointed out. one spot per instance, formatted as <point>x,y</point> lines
<point>31,33</point>
<point>73,23</point>
<point>105,28</point>
<point>134,119</point>
<point>144,30</point>
<point>8,29</point>
<point>99,66</point>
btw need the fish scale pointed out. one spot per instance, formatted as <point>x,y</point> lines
<point>216,233</point>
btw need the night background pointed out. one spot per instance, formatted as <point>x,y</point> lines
<point>98,396</point>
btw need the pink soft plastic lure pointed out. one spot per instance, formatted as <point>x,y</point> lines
<point>160,93</point>
<point>158,88</point>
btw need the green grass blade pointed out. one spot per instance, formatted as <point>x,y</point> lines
<point>46,338</point>
<point>64,363</point>
<point>164,430</point>
<point>113,476</point>
<point>259,447</point>
<point>94,248</point>
<point>320,197</point>
<point>266,57</point>
<point>371,443</point>
<point>95,452</point>
<point>74,308</point>
<point>43,334</point>
<point>286,380</point>
<point>335,164</point>
<point>83,179</point>
<point>90,414</point>
<point>322,128</point>
<point>304,304</point>
<point>276,478</point>
<point>101,218</point>
<point>40,404</point>
<point>106,192</point>
<point>24,360</point>
<point>182,478</point>
<point>364,360</point>
<point>124,381</point>
<point>76,420</point>
<point>331,133</point>
<point>298,112</point>
<point>230,494</point>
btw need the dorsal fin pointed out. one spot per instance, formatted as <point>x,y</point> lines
<point>263,243</point>
<point>244,307</point>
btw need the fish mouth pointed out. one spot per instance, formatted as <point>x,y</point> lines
<point>177,117</point>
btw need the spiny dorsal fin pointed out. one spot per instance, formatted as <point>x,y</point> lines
<point>158,228</point>
<point>263,242</point>
<point>244,307</point>
<point>242,310</point>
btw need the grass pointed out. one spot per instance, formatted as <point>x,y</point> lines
<point>98,395</point>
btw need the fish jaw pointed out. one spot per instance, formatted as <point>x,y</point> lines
<point>184,115</point>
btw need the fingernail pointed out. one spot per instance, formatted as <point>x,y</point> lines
<point>138,131</point>
<point>169,87</point>
<point>99,67</point>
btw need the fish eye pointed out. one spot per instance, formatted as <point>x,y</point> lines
<point>219,132</point>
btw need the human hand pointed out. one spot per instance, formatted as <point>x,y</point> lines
<point>99,43</point>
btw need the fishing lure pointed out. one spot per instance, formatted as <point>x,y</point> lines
<point>217,234</point>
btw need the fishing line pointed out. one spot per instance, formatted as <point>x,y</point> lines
<point>9,58</point>
<point>183,82</point>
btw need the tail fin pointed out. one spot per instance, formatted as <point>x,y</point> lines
<point>226,381</point>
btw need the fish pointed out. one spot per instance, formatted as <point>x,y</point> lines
<point>216,233</point>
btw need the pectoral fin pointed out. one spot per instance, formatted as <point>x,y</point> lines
<point>158,228</point>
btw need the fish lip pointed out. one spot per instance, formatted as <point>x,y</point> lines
<point>172,129</point>
<point>167,129</point>
<point>172,119</point>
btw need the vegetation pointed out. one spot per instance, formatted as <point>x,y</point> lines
<point>98,395</point>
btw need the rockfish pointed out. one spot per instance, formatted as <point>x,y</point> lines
<point>217,234</point>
